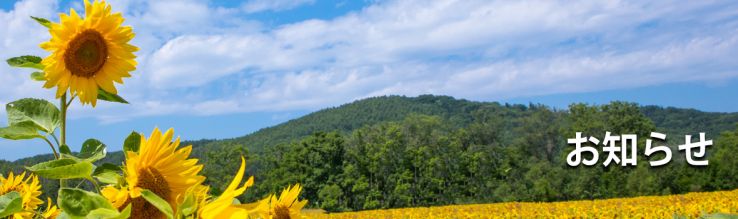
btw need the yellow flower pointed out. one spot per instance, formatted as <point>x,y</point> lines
<point>51,211</point>
<point>160,167</point>
<point>117,197</point>
<point>28,188</point>
<point>286,207</point>
<point>223,207</point>
<point>88,53</point>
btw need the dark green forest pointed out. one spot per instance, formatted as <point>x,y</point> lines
<point>397,151</point>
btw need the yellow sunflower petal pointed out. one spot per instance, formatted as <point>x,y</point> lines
<point>117,197</point>
<point>222,207</point>
<point>51,211</point>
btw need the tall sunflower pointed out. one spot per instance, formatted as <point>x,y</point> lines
<point>29,189</point>
<point>287,206</point>
<point>88,53</point>
<point>159,166</point>
<point>222,207</point>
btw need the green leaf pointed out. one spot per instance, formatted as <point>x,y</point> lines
<point>80,203</point>
<point>132,142</point>
<point>42,21</point>
<point>158,202</point>
<point>126,213</point>
<point>188,206</point>
<point>64,150</point>
<point>26,62</point>
<point>107,96</point>
<point>38,76</point>
<point>64,168</point>
<point>107,173</point>
<point>19,131</point>
<point>43,114</point>
<point>720,216</point>
<point>64,215</point>
<point>92,150</point>
<point>104,213</point>
<point>10,203</point>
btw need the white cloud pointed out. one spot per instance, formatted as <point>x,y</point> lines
<point>567,73</point>
<point>205,60</point>
<point>21,36</point>
<point>254,6</point>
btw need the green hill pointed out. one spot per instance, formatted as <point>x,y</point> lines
<point>351,116</point>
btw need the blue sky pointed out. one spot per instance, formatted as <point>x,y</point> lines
<point>221,69</point>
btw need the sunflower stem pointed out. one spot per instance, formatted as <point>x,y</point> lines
<point>56,140</point>
<point>63,132</point>
<point>63,119</point>
<point>56,155</point>
<point>71,99</point>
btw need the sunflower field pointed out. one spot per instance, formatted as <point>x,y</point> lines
<point>691,205</point>
<point>89,54</point>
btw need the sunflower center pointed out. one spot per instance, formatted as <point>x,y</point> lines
<point>281,212</point>
<point>86,54</point>
<point>152,180</point>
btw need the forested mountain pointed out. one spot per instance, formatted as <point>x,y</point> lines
<point>400,151</point>
<point>349,117</point>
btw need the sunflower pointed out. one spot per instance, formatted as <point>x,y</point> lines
<point>223,207</point>
<point>286,207</point>
<point>51,211</point>
<point>29,189</point>
<point>159,166</point>
<point>89,53</point>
